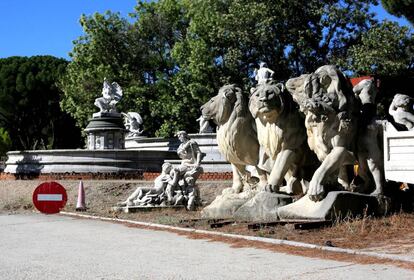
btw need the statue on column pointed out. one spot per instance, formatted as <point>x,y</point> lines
<point>111,95</point>
<point>264,74</point>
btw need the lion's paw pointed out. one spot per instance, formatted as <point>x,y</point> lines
<point>377,192</point>
<point>316,192</point>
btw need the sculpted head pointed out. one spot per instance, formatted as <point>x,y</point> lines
<point>401,101</point>
<point>166,167</point>
<point>182,136</point>
<point>220,107</point>
<point>267,100</point>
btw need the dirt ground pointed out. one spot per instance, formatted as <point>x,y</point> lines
<point>392,234</point>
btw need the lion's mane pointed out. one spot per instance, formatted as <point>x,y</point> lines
<point>236,136</point>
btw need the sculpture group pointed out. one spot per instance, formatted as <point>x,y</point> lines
<point>175,186</point>
<point>304,136</point>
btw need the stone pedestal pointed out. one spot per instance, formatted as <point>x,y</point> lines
<point>246,206</point>
<point>336,205</point>
<point>134,209</point>
<point>105,131</point>
<point>225,205</point>
<point>262,207</point>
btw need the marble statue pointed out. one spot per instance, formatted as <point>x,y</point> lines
<point>264,74</point>
<point>144,195</point>
<point>236,135</point>
<point>369,139</point>
<point>133,123</point>
<point>190,155</point>
<point>401,109</point>
<point>327,100</point>
<point>205,126</point>
<point>282,135</point>
<point>111,95</point>
<point>175,185</point>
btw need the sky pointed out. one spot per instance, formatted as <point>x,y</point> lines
<point>48,27</point>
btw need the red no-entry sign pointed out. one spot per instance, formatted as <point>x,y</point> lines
<point>49,197</point>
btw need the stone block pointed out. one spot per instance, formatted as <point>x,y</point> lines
<point>336,205</point>
<point>262,207</point>
<point>226,204</point>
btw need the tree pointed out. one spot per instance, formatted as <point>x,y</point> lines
<point>5,142</point>
<point>102,52</point>
<point>400,8</point>
<point>226,40</point>
<point>29,104</point>
<point>174,54</point>
<point>385,50</point>
<point>136,55</point>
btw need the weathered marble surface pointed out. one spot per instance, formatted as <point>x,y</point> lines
<point>262,207</point>
<point>263,74</point>
<point>226,204</point>
<point>401,109</point>
<point>335,206</point>
<point>310,132</point>
<point>236,137</point>
<point>133,123</point>
<point>205,126</point>
<point>111,95</point>
<point>282,137</point>
<point>175,185</point>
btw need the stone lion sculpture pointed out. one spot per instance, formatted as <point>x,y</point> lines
<point>281,133</point>
<point>327,100</point>
<point>401,109</point>
<point>236,136</point>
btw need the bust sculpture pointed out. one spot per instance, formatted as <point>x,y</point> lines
<point>133,123</point>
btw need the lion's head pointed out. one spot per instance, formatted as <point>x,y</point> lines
<point>268,101</point>
<point>220,107</point>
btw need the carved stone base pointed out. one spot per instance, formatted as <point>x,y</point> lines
<point>336,205</point>
<point>105,132</point>
<point>225,205</point>
<point>262,207</point>
<point>133,209</point>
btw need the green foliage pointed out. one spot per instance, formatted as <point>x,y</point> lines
<point>400,8</point>
<point>5,142</point>
<point>101,52</point>
<point>172,55</point>
<point>136,55</point>
<point>226,39</point>
<point>386,50</point>
<point>29,103</point>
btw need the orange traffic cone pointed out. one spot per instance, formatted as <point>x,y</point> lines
<point>80,205</point>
